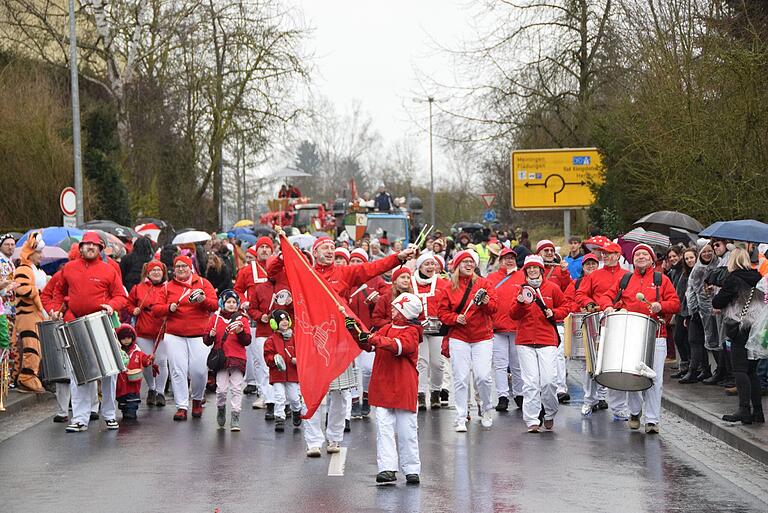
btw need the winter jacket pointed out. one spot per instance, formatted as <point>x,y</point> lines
<point>698,301</point>
<point>145,295</point>
<point>87,284</point>
<point>221,279</point>
<point>132,264</point>
<point>245,277</point>
<point>394,378</point>
<point>359,303</point>
<point>233,343</point>
<point>596,284</point>
<point>136,360</point>
<point>189,319</point>
<point>680,287</point>
<point>559,276</point>
<point>276,344</point>
<point>533,327</point>
<point>479,326</point>
<point>735,289</point>
<point>506,295</point>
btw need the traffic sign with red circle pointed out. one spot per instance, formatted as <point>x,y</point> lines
<point>68,201</point>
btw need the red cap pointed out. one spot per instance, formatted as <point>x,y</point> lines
<point>320,241</point>
<point>589,256</point>
<point>611,247</point>
<point>125,331</point>
<point>93,238</point>
<point>645,247</point>
<point>544,243</point>
<point>155,264</point>
<point>507,251</point>
<point>359,253</point>
<point>383,241</point>
<point>252,250</point>
<point>399,271</point>
<point>533,261</point>
<point>343,253</point>
<point>183,259</point>
<point>463,255</point>
<point>264,241</point>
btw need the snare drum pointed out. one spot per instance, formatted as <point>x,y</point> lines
<point>626,352</point>
<point>574,343</point>
<point>590,328</point>
<point>54,356</point>
<point>92,347</point>
<point>432,326</point>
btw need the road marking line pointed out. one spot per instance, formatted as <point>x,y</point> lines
<point>337,463</point>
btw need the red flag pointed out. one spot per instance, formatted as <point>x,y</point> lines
<point>324,347</point>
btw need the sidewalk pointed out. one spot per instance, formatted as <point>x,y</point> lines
<point>704,405</point>
<point>16,401</point>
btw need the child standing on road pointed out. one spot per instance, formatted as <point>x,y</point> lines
<point>129,381</point>
<point>280,355</point>
<point>227,331</point>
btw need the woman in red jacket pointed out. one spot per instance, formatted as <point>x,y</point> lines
<point>187,303</point>
<point>467,308</point>
<point>150,291</point>
<point>228,330</point>
<point>539,306</point>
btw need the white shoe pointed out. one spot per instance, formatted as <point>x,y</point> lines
<point>586,409</point>
<point>333,447</point>
<point>314,452</point>
<point>621,416</point>
<point>487,419</point>
<point>259,404</point>
<point>461,426</point>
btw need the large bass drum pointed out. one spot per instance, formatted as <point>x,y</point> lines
<point>54,357</point>
<point>625,355</point>
<point>573,336</point>
<point>92,347</point>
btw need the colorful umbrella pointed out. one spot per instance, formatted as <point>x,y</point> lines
<point>50,254</point>
<point>53,235</point>
<point>151,230</point>
<point>642,236</point>
<point>114,247</point>
<point>243,223</point>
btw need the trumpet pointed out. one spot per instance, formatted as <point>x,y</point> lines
<point>5,377</point>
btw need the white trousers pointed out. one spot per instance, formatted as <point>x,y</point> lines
<point>538,366</point>
<point>156,383</point>
<point>363,369</point>
<point>562,385</point>
<point>230,382</point>
<point>505,357</point>
<point>475,356</point>
<point>391,423</point>
<point>430,364</point>
<point>286,392</point>
<point>187,359</point>
<point>63,395</point>
<point>651,398</point>
<point>338,403</point>
<point>256,370</point>
<point>85,399</point>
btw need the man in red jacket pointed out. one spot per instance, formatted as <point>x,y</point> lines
<point>539,306</point>
<point>506,282</point>
<point>659,301</point>
<point>393,389</point>
<point>89,285</point>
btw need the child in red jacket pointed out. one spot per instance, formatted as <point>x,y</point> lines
<point>129,381</point>
<point>394,388</point>
<point>228,330</point>
<point>280,355</point>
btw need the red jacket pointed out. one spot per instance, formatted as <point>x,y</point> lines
<point>46,295</point>
<point>359,302</point>
<point>533,327</point>
<point>232,343</point>
<point>559,276</point>
<point>259,297</point>
<point>667,296</point>
<point>136,360</point>
<point>479,325</point>
<point>245,278</point>
<point>394,378</point>
<point>145,295</point>
<point>597,284</point>
<point>189,319</point>
<point>506,296</point>
<point>429,293</point>
<point>382,312</point>
<point>275,345</point>
<point>87,284</point>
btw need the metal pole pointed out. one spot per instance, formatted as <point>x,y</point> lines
<point>567,224</point>
<point>431,170</point>
<point>78,158</point>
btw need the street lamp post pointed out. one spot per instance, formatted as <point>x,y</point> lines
<point>80,214</point>
<point>430,100</point>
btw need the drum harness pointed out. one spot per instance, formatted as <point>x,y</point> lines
<point>656,285</point>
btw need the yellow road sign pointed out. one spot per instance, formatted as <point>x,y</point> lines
<point>554,179</point>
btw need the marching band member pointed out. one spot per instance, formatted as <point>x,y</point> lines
<point>341,256</point>
<point>393,388</point>
<point>590,290</point>
<point>467,307</point>
<point>188,300</point>
<point>280,354</point>
<point>89,285</point>
<point>128,391</point>
<point>539,306</point>
<point>256,292</point>
<point>505,281</point>
<point>650,293</point>
<point>143,296</point>
<point>427,285</point>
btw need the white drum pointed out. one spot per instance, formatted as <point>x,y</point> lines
<point>625,355</point>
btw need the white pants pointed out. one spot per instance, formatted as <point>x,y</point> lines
<point>63,395</point>
<point>338,405</point>
<point>475,356</point>
<point>363,369</point>
<point>230,381</point>
<point>256,370</point>
<point>651,397</point>
<point>562,385</point>
<point>538,366</point>
<point>430,364</point>
<point>403,424</point>
<point>286,392</point>
<point>187,359</point>
<point>593,391</point>
<point>505,357</point>
<point>156,383</point>
<point>83,402</point>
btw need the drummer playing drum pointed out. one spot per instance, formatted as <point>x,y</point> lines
<point>641,295</point>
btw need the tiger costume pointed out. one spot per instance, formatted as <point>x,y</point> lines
<point>29,311</point>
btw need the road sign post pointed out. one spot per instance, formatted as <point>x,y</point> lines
<point>68,201</point>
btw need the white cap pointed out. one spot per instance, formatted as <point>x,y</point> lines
<point>409,305</point>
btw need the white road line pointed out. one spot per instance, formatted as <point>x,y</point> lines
<point>337,463</point>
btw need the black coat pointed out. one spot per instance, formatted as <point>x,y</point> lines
<point>132,264</point>
<point>736,285</point>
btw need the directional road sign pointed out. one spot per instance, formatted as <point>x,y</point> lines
<point>488,199</point>
<point>554,179</point>
<point>489,216</point>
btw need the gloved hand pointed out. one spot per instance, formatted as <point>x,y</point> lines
<point>363,338</point>
<point>155,370</point>
<point>352,326</point>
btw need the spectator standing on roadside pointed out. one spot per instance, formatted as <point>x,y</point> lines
<point>574,256</point>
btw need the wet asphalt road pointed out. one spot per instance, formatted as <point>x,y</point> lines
<point>157,465</point>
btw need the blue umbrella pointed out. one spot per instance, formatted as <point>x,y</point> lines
<point>747,230</point>
<point>246,237</point>
<point>239,230</point>
<point>54,234</point>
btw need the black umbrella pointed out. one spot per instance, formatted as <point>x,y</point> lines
<point>263,229</point>
<point>118,230</point>
<point>663,220</point>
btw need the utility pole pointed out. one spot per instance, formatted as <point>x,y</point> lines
<point>78,158</point>
<point>430,100</point>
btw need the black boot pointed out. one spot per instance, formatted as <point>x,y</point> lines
<point>422,401</point>
<point>692,376</point>
<point>682,372</point>
<point>270,414</point>
<point>742,415</point>
<point>757,415</point>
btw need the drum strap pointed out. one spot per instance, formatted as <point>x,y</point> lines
<point>502,281</point>
<point>625,281</point>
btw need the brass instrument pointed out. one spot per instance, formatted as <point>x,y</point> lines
<point>5,377</point>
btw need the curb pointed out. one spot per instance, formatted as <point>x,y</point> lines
<point>17,401</point>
